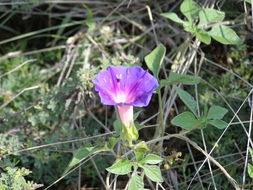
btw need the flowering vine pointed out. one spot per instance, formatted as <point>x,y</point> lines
<point>125,87</point>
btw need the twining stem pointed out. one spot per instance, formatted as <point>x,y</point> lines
<point>162,124</point>
<point>159,132</point>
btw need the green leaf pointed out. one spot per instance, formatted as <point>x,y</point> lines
<point>82,153</point>
<point>189,27</point>
<point>248,1</point>
<point>153,173</point>
<point>220,124</point>
<point>188,100</point>
<point>139,126</point>
<point>121,167</point>
<point>136,115</point>
<point>117,127</point>
<point>203,36</point>
<point>112,141</point>
<point>224,35</point>
<point>175,78</point>
<point>251,153</point>
<point>151,159</point>
<point>186,120</point>
<point>136,183</point>
<point>155,58</point>
<point>250,170</point>
<point>209,16</point>
<point>139,155</point>
<point>190,9</point>
<point>173,17</point>
<point>216,112</point>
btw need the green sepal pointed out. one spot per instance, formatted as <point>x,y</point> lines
<point>129,133</point>
<point>141,147</point>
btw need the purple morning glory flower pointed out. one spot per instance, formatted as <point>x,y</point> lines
<point>125,87</point>
<point>119,85</point>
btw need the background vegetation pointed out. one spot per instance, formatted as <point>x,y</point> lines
<point>51,50</point>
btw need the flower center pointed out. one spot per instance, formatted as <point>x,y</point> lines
<point>121,96</point>
<point>118,77</point>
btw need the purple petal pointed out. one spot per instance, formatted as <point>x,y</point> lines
<point>143,89</point>
<point>125,85</point>
<point>105,86</point>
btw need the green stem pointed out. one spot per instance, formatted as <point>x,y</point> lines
<point>159,132</point>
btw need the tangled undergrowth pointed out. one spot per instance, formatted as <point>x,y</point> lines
<point>49,111</point>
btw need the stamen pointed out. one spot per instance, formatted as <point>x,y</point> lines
<point>118,77</point>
